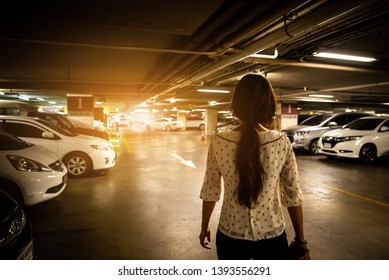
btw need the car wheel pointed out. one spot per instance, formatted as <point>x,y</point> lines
<point>78,164</point>
<point>148,128</point>
<point>12,189</point>
<point>314,147</point>
<point>168,128</point>
<point>367,154</point>
<point>202,126</point>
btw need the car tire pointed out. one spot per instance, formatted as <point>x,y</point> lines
<point>148,128</point>
<point>12,189</point>
<point>78,164</point>
<point>202,126</point>
<point>314,147</point>
<point>168,128</point>
<point>367,154</point>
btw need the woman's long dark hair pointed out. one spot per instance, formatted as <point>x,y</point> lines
<point>254,103</point>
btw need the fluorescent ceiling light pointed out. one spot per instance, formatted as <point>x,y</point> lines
<point>344,57</point>
<point>2,92</point>
<point>321,95</point>
<point>213,90</point>
<point>23,97</point>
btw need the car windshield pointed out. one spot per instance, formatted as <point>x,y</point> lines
<point>56,128</point>
<point>364,124</point>
<point>316,120</point>
<point>9,142</point>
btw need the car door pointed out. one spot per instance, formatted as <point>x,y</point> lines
<point>382,141</point>
<point>32,133</point>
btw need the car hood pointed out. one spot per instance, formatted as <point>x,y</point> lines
<point>295,128</point>
<point>347,132</point>
<point>35,152</point>
<point>90,140</point>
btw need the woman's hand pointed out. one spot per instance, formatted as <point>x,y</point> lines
<point>205,234</point>
<point>306,256</point>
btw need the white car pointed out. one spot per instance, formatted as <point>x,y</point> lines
<point>365,139</point>
<point>305,136</point>
<point>80,153</point>
<point>167,124</point>
<point>29,173</point>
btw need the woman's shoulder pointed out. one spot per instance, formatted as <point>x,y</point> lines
<point>228,135</point>
<point>269,136</point>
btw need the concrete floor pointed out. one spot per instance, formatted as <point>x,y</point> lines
<point>148,208</point>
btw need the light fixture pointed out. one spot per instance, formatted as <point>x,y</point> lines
<point>52,102</point>
<point>23,97</point>
<point>213,90</point>
<point>321,95</point>
<point>212,103</point>
<point>344,57</point>
<point>2,92</point>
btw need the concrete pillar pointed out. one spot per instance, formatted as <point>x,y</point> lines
<point>210,121</point>
<point>181,116</point>
<point>288,114</point>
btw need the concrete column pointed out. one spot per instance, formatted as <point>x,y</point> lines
<point>181,116</point>
<point>288,114</point>
<point>210,121</point>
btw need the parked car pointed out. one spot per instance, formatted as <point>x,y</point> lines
<point>63,122</point>
<point>195,123</point>
<point>227,124</point>
<point>167,124</point>
<point>80,153</point>
<point>16,108</point>
<point>305,136</point>
<point>364,139</point>
<point>16,239</point>
<point>30,174</point>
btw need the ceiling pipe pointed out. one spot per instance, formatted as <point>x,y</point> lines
<point>338,90</point>
<point>110,47</point>
<point>292,63</point>
<point>295,28</point>
<point>214,29</point>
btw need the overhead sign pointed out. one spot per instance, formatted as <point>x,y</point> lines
<point>80,105</point>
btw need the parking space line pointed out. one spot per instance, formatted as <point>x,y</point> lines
<point>359,196</point>
<point>356,195</point>
<point>126,144</point>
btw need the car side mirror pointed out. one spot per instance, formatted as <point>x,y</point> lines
<point>384,128</point>
<point>333,124</point>
<point>48,135</point>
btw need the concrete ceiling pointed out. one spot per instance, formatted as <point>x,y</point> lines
<point>128,52</point>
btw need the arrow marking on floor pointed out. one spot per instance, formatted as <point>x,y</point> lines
<point>188,163</point>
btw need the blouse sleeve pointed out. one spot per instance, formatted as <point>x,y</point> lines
<point>211,188</point>
<point>291,194</point>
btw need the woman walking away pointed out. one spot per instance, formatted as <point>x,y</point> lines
<point>260,176</point>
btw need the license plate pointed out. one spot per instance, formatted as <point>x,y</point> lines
<point>28,252</point>
<point>327,145</point>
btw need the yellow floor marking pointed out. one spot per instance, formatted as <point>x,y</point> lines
<point>359,196</point>
<point>356,195</point>
<point>126,144</point>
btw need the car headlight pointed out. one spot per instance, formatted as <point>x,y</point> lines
<point>26,164</point>
<point>349,138</point>
<point>102,147</point>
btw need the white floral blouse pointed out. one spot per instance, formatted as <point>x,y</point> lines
<point>281,185</point>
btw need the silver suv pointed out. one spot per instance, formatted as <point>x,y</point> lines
<point>306,135</point>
